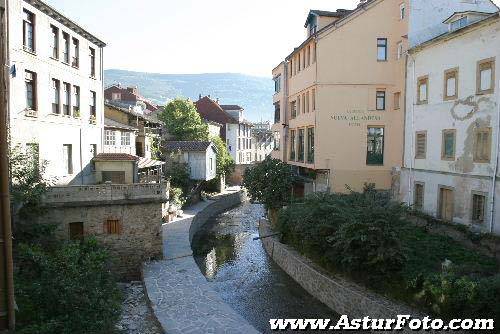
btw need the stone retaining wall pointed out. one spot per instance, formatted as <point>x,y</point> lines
<point>342,296</point>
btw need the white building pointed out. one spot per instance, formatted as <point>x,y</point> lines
<point>56,90</point>
<point>452,123</point>
<point>239,137</point>
<point>263,140</point>
<point>119,137</point>
<point>201,157</point>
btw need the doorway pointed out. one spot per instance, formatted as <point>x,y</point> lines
<point>445,204</point>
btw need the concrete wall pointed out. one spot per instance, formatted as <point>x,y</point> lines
<point>140,238</point>
<point>236,178</point>
<point>464,114</point>
<point>129,167</point>
<point>50,130</point>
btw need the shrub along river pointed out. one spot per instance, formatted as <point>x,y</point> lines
<point>242,273</point>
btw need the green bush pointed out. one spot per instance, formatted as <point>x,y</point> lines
<point>269,182</point>
<point>66,290</point>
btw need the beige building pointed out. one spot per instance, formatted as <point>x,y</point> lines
<point>340,98</point>
<point>340,94</point>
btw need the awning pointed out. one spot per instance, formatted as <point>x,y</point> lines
<point>147,163</point>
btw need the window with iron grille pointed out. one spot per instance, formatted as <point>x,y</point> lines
<point>112,226</point>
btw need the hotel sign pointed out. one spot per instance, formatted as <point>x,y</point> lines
<point>354,117</point>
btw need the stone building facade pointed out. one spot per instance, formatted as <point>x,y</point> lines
<point>125,219</point>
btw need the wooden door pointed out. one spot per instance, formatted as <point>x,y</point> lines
<point>76,231</point>
<point>446,204</point>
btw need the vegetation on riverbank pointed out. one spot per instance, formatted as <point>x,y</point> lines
<point>367,238</point>
<point>60,286</point>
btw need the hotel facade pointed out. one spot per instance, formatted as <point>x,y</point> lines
<point>342,91</point>
<point>56,90</point>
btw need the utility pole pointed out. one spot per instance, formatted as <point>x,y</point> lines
<point>7,303</point>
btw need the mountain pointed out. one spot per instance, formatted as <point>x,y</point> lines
<point>252,93</point>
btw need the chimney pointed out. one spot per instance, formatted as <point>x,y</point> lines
<point>362,2</point>
<point>217,100</point>
<point>199,97</point>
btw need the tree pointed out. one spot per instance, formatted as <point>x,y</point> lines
<point>225,163</point>
<point>269,182</point>
<point>183,121</point>
<point>27,183</point>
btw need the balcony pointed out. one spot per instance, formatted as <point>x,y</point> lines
<point>107,193</point>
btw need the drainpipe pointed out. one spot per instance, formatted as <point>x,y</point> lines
<point>495,169</point>
<point>7,305</point>
<point>412,143</point>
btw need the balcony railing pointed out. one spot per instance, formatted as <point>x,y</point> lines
<point>106,193</point>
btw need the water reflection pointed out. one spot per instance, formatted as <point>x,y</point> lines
<point>244,276</point>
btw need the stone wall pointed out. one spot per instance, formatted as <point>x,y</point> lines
<point>222,203</point>
<point>342,296</point>
<point>236,177</point>
<point>139,238</point>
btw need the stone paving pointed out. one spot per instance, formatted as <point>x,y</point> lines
<point>180,295</point>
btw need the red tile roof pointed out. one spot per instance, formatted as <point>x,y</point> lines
<point>129,94</point>
<point>115,157</point>
<point>212,111</point>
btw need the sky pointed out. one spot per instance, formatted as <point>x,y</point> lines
<point>196,36</point>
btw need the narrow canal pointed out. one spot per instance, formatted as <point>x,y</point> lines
<point>244,276</point>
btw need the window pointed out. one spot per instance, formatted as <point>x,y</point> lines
<point>109,137</point>
<point>304,102</point>
<point>55,42</point>
<point>402,11</point>
<point>277,84</point>
<point>450,84</point>
<point>381,49</point>
<point>458,24</point>
<point>478,208</point>
<point>380,100</point>
<point>397,100</point>
<point>291,67</point>
<point>308,55</point>
<point>448,145</point>
<point>400,50</point>
<point>482,145</point>
<point>277,138</point>
<point>277,113</point>
<point>125,138</point>
<point>292,144</point>
<point>299,63</point>
<point>313,99</point>
<point>486,76</point>
<point>239,143</point>
<point>211,164</point>
<point>301,145</point>
<point>310,145</point>
<point>307,102</point>
<point>30,82</point>
<point>92,62</point>
<point>112,226</point>
<point>76,101</point>
<point>418,200</point>
<point>314,52</point>
<point>28,31</point>
<point>92,104</point>
<point>293,109</point>
<point>299,105</point>
<point>375,147</point>
<point>116,96</point>
<point>66,47</point>
<point>75,60</point>
<point>420,145</point>
<point>67,99</point>
<point>56,90</point>
<point>68,158</point>
<point>422,90</point>
<point>75,231</point>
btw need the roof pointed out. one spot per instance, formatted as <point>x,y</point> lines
<point>129,94</point>
<point>316,12</point>
<point>231,107</point>
<point>146,163</point>
<point>454,33</point>
<point>56,15</point>
<point>452,16</point>
<point>116,105</point>
<point>187,146</point>
<point>115,157</point>
<point>110,123</point>
<point>212,111</point>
